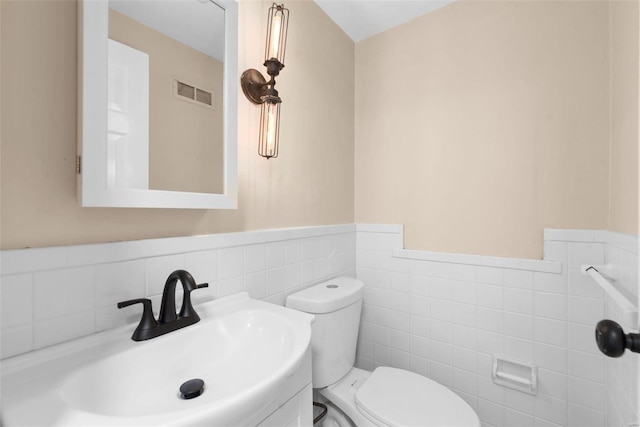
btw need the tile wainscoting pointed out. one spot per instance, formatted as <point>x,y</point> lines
<point>622,374</point>
<point>446,315</point>
<point>441,315</point>
<point>51,295</point>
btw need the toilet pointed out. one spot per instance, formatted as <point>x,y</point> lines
<point>387,396</point>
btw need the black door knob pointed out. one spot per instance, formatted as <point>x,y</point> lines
<point>612,340</point>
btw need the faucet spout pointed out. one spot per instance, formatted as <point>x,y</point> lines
<point>168,305</point>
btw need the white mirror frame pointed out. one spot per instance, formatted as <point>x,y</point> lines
<point>93,38</point>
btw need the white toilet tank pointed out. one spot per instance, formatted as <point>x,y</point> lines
<point>336,304</point>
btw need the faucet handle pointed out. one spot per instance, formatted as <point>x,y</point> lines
<point>147,321</point>
<point>127,303</point>
<point>187,309</point>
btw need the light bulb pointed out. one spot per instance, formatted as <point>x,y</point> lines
<point>276,27</point>
<point>272,122</point>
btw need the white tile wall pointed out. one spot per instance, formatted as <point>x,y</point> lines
<point>441,315</point>
<point>620,393</point>
<point>51,295</point>
<point>445,315</point>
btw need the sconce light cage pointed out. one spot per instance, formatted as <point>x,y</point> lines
<point>277,28</point>
<point>269,126</point>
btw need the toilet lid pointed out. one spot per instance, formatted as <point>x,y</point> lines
<point>400,398</point>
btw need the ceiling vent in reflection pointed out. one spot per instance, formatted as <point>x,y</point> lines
<point>203,96</point>
<point>186,91</point>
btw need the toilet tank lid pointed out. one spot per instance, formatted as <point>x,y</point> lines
<point>328,296</point>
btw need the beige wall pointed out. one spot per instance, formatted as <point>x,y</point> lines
<point>475,126</point>
<point>310,183</point>
<point>482,123</point>
<point>624,216</point>
<point>185,139</point>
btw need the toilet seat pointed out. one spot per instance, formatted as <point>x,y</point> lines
<point>398,398</point>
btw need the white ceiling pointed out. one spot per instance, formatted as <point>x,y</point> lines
<point>185,20</point>
<point>199,24</point>
<point>361,19</point>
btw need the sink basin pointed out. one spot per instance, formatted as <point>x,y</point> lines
<point>243,349</point>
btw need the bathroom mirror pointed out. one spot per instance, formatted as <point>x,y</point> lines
<point>158,114</point>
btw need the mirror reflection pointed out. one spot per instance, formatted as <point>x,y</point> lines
<point>165,95</point>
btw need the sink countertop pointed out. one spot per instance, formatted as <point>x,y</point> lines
<point>108,379</point>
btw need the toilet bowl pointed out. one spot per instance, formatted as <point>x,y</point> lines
<point>386,397</point>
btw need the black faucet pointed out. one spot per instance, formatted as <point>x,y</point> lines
<point>168,320</point>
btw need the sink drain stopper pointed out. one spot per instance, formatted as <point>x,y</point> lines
<point>192,388</point>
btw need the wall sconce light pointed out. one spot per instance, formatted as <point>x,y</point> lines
<point>260,91</point>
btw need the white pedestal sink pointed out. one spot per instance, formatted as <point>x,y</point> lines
<point>253,357</point>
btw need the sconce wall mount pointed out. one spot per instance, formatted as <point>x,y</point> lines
<point>253,85</point>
